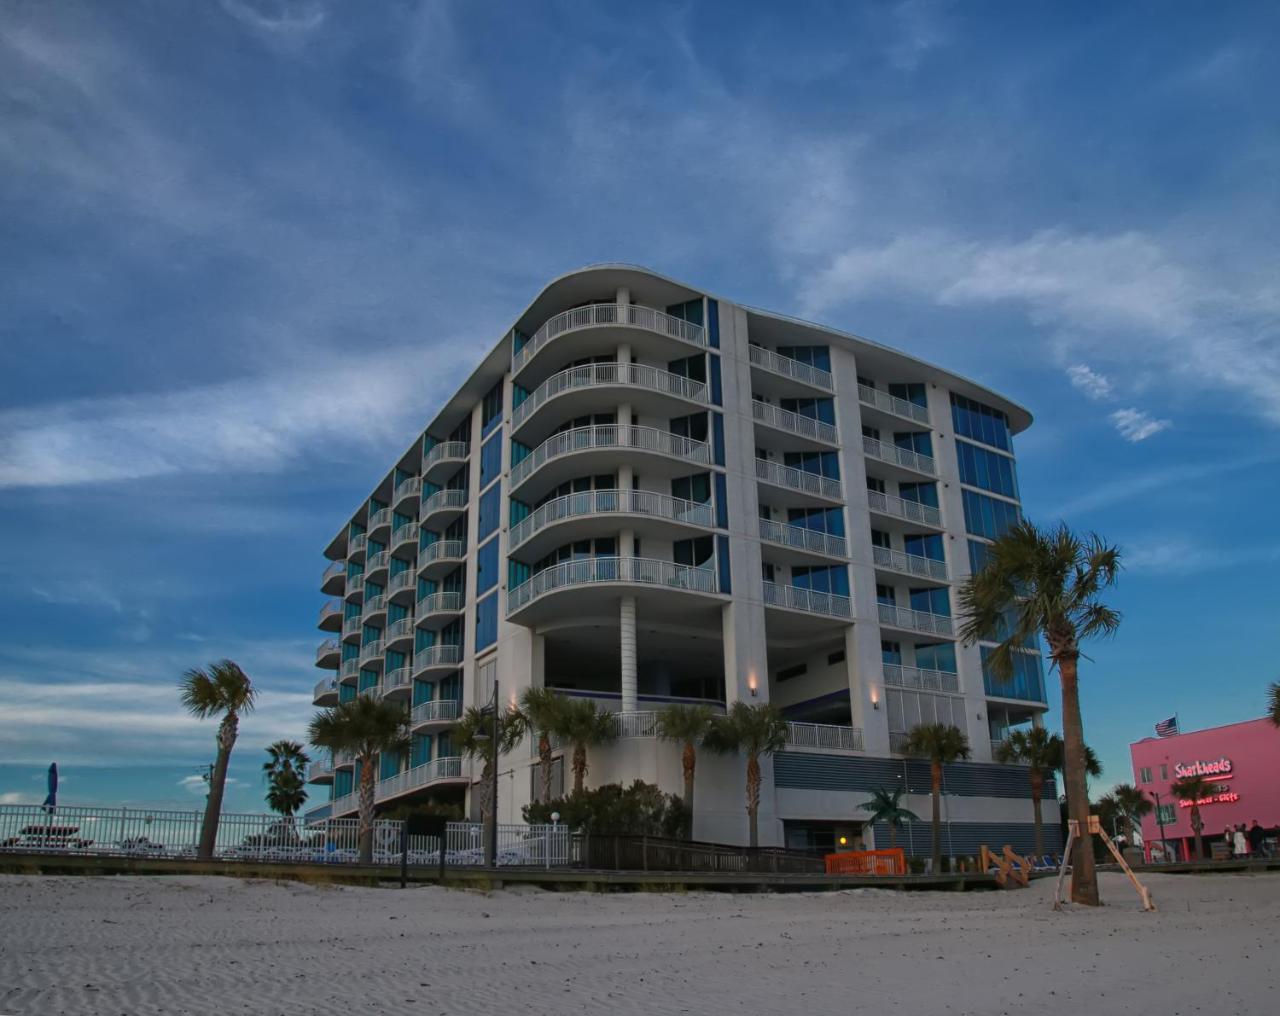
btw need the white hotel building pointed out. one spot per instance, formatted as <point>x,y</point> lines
<point>645,494</point>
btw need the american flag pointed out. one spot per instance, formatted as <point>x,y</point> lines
<point>1167,728</point>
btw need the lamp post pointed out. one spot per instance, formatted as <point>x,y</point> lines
<point>491,840</point>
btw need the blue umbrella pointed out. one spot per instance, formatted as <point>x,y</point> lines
<point>51,802</point>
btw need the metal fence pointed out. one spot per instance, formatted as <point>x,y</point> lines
<point>175,835</point>
<point>650,853</point>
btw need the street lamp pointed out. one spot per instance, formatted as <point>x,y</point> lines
<point>491,840</point>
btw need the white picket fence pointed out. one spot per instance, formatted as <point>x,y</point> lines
<point>150,833</point>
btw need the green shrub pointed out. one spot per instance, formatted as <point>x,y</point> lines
<point>638,810</point>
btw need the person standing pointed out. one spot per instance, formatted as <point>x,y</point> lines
<point>1257,839</point>
<point>1241,842</point>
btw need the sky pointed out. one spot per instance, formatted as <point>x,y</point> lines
<point>247,246</point>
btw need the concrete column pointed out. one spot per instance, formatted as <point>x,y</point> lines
<point>627,638</point>
<point>624,301</point>
<point>746,656</point>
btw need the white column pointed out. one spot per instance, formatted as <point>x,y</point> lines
<point>627,638</point>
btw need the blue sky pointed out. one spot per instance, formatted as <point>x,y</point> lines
<point>247,245</point>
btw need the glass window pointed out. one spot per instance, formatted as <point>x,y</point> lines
<point>490,510</point>
<point>693,426</point>
<point>490,460</point>
<point>690,311</point>
<point>924,545</point>
<point>913,393</point>
<point>891,652</point>
<point>822,578</point>
<point>1027,682</point>
<point>692,488</point>
<point>986,469</point>
<point>978,554</point>
<point>987,516</point>
<point>919,493</point>
<point>491,409</point>
<point>695,552</point>
<point>815,356</point>
<point>692,367</point>
<point>1144,774</point>
<point>936,656</point>
<point>487,622</point>
<point>918,441</point>
<point>931,601</point>
<point>981,423</point>
<point>886,594</point>
<point>821,463</point>
<point>822,520</point>
<point>487,566</point>
<point>813,409</point>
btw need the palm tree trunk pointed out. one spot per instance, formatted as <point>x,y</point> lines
<point>689,760</point>
<point>893,836</point>
<point>227,730</point>
<point>753,800</point>
<point>1084,876</point>
<point>935,772</point>
<point>579,767</point>
<point>1037,794</point>
<point>365,832</point>
<point>1197,827</point>
<point>544,763</point>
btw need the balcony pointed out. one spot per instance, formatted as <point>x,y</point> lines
<point>321,771</point>
<point>808,541</point>
<point>444,459</point>
<point>398,632</point>
<point>603,507</point>
<point>408,488</point>
<point>371,691</point>
<point>906,619</point>
<point>595,449</point>
<point>805,427</point>
<point>355,588</point>
<point>402,587</point>
<point>920,679</point>
<point>435,713</point>
<point>375,609</point>
<point>440,770</point>
<point>330,616</point>
<point>325,692</point>
<point>440,507</point>
<point>674,331</point>
<point>376,565</point>
<point>351,627</point>
<point>904,458</point>
<point>327,654</point>
<point>797,481</point>
<point>823,737</point>
<point>349,670</point>
<point>893,405</point>
<point>612,571</point>
<point>808,601</point>
<point>909,564</point>
<point>436,610</point>
<point>791,370</point>
<point>371,652</point>
<point>441,557</point>
<point>905,511</point>
<point>650,390</point>
<point>398,681</point>
<point>356,547</point>
<point>333,578</point>
<point>380,523</point>
<point>442,657</point>
<point>405,539</point>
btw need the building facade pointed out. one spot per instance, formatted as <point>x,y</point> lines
<point>646,495</point>
<point>1240,759</point>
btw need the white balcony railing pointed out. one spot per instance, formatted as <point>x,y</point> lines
<point>442,655</point>
<point>371,691</point>
<point>441,550</point>
<point>332,571</point>
<point>407,533</point>
<point>349,668</point>
<point>908,511</point>
<point>451,499</point>
<point>355,584</point>
<point>799,538</point>
<point>914,620</point>
<point>352,625</point>
<point>909,564</point>
<point>446,451</point>
<point>613,502</point>
<point>330,610</point>
<point>357,544</point>
<point>785,366</point>
<point>896,456</point>
<point>439,603</point>
<point>625,570</point>
<point>379,519</point>
<point>793,423</point>
<point>598,375</point>
<point>377,562</point>
<point>435,711</point>
<point>328,647</point>
<point>823,737</point>
<point>810,601</point>
<point>613,437</point>
<point>635,724</point>
<point>448,768</point>
<point>892,404</point>
<point>920,679</point>
<point>402,580</point>
<point>396,680</point>
<point>596,314</point>
<point>397,630</point>
<point>788,477</point>
<point>372,650</point>
<point>408,487</point>
<point>325,686</point>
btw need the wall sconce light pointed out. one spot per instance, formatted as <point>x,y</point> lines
<point>875,699</point>
<point>751,683</point>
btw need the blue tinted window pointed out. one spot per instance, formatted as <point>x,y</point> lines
<point>490,461</point>
<point>487,622</point>
<point>487,567</point>
<point>986,469</point>
<point>491,409</point>
<point>985,516</point>
<point>1027,682</point>
<point>891,652</point>
<point>919,493</point>
<point>815,356</point>
<point>822,463</point>
<point>978,554</point>
<point>931,601</point>
<point>924,545</point>
<point>814,409</point>
<point>822,520</point>
<point>913,393</point>
<point>919,441</point>
<point>490,510</point>
<point>937,656</point>
<point>981,423</point>
<point>822,579</point>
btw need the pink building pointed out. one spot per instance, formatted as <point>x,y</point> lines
<point>1243,759</point>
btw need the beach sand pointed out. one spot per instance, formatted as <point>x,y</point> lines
<point>145,945</point>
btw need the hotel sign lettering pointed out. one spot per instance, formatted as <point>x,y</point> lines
<point>1219,769</point>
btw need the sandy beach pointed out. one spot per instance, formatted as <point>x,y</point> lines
<point>136,945</point>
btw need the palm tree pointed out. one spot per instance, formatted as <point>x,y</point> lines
<point>1194,789</point>
<point>1041,752</point>
<point>224,689</point>
<point>286,793</point>
<point>584,726</point>
<point>885,807</point>
<point>752,731</point>
<point>1132,804</point>
<point>1273,702</point>
<point>285,755</point>
<point>686,725</point>
<point>543,710</point>
<point>941,744</point>
<point>474,738</point>
<point>364,728</point>
<point>1048,582</point>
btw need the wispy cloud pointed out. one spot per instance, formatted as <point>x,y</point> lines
<point>1184,556</point>
<point>918,27</point>
<point>1138,484</point>
<point>1134,425</point>
<point>1089,381</point>
<point>278,17</point>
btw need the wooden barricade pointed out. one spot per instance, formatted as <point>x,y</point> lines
<point>1012,869</point>
<point>867,862</point>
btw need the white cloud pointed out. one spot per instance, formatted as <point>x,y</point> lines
<point>18,797</point>
<point>1089,381</point>
<point>196,784</point>
<point>1180,555</point>
<point>1134,425</point>
<point>278,17</point>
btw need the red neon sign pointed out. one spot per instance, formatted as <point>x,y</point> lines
<point>1221,768</point>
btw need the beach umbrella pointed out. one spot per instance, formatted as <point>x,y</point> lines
<point>51,801</point>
